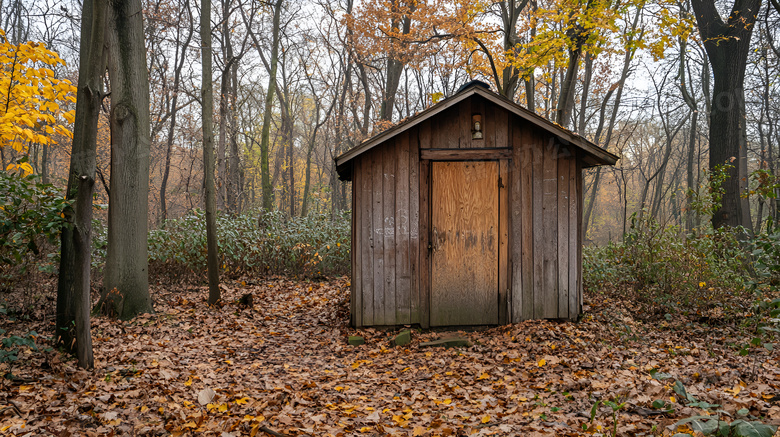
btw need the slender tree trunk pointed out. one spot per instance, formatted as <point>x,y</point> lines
<point>585,93</point>
<point>268,192</point>
<point>207,96</point>
<point>689,173</point>
<point>126,277</point>
<point>628,57</point>
<point>72,329</point>
<point>224,110</point>
<point>235,174</point>
<point>45,164</point>
<point>307,180</point>
<point>179,59</point>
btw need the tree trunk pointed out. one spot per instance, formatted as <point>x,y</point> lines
<point>395,66</point>
<point>126,277</point>
<point>235,176</point>
<point>268,190</point>
<point>207,115</point>
<point>566,98</point>
<point>179,59</point>
<point>72,329</point>
<point>727,45</point>
<point>45,164</point>
<point>585,93</point>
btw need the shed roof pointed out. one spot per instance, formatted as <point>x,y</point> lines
<point>594,155</point>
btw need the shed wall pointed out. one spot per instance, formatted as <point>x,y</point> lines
<point>390,230</point>
<point>386,234</point>
<point>546,206</point>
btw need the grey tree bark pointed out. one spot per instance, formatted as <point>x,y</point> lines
<point>207,120</point>
<point>395,66</point>
<point>72,327</point>
<point>126,279</point>
<point>727,44</point>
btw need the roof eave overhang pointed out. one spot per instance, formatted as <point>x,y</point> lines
<point>594,155</point>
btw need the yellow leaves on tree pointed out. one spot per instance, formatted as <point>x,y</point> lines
<point>31,97</point>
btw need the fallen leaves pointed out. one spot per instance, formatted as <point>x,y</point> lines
<point>284,364</point>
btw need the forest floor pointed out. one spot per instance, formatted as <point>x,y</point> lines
<point>283,366</point>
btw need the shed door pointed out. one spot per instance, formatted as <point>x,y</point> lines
<point>465,243</point>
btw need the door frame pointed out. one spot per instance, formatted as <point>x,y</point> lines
<point>503,156</point>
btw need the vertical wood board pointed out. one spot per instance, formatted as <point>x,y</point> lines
<point>580,237</point>
<point>538,225</point>
<point>388,223</point>
<point>503,242</point>
<point>550,228</point>
<point>526,204</point>
<point>403,279</point>
<point>563,234</point>
<point>464,111</point>
<point>425,260</point>
<point>414,225</point>
<point>356,300</point>
<point>502,127</point>
<point>377,213</point>
<point>574,206</point>
<point>489,119</point>
<point>425,134</point>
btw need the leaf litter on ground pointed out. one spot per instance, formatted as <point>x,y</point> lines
<point>283,366</point>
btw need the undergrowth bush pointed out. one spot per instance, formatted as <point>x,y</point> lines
<point>671,272</point>
<point>267,243</point>
<point>30,223</point>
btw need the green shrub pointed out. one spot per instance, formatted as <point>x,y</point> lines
<point>268,243</point>
<point>672,272</point>
<point>30,222</point>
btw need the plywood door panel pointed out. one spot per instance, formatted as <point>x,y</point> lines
<point>465,240</point>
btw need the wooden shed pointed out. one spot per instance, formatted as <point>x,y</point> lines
<point>469,213</point>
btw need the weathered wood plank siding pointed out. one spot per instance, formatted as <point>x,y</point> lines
<point>386,283</point>
<point>546,242</point>
<point>539,209</point>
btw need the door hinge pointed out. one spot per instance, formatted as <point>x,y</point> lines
<point>500,182</point>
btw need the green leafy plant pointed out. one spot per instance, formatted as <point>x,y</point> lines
<point>616,403</point>
<point>266,243</point>
<point>669,272</point>
<point>707,199</point>
<point>31,218</point>
<point>713,425</point>
<point>12,345</point>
